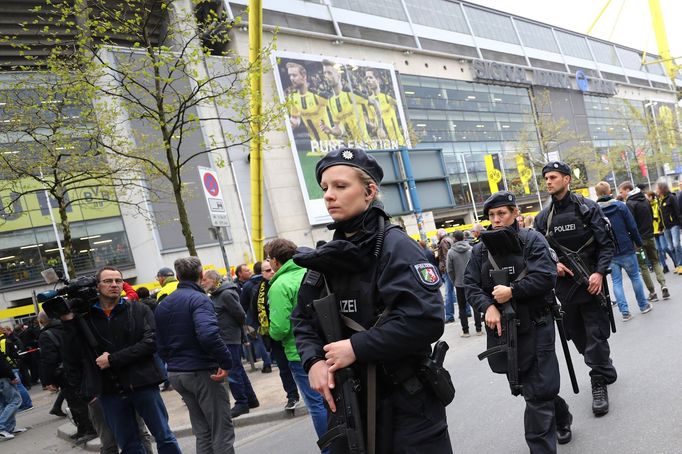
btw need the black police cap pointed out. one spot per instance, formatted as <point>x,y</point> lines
<point>557,166</point>
<point>355,157</point>
<point>499,199</point>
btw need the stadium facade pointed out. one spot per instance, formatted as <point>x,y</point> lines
<point>479,84</point>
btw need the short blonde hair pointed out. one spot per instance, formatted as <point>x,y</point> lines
<point>602,188</point>
<point>366,181</point>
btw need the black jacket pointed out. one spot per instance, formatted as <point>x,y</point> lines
<point>231,316</point>
<point>644,216</point>
<point>670,210</point>
<point>5,368</point>
<point>51,340</point>
<point>400,279</point>
<point>128,334</point>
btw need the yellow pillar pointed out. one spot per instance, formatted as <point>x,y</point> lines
<point>255,36</point>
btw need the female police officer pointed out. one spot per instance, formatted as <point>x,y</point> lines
<point>388,295</point>
<point>526,273</point>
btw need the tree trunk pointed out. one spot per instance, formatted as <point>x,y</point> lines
<point>184,220</point>
<point>67,243</point>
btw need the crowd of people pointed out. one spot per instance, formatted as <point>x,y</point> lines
<point>111,361</point>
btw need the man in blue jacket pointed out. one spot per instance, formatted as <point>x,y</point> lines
<point>189,341</point>
<point>625,230</point>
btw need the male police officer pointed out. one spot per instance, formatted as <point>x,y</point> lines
<point>528,270</point>
<point>574,224</point>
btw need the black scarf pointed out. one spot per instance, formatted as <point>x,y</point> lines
<point>346,254</point>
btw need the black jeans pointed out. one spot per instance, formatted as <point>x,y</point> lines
<point>462,305</point>
<point>280,358</point>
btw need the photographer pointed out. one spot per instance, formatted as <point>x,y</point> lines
<point>120,369</point>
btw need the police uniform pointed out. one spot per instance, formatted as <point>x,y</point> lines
<point>532,272</point>
<point>392,291</point>
<point>578,224</point>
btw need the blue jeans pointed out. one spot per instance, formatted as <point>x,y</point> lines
<point>10,399</point>
<point>119,412</point>
<point>629,263</point>
<point>313,400</point>
<point>261,351</point>
<point>663,248</point>
<point>672,237</point>
<point>26,401</point>
<point>240,385</point>
<point>450,298</point>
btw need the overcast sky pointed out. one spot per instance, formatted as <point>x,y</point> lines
<point>631,27</point>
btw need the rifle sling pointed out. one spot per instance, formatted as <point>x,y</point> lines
<point>371,385</point>
<point>496,267</point>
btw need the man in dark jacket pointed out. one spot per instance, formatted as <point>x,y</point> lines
<point>458,257</point>
<point>670,215</point>
<point>55,377</point>
<point>247,295</point>
<point>231,318</point>
<point>197,357</point>
<point>641,210</point>
<point>121,370</point>
<point>626,233</point>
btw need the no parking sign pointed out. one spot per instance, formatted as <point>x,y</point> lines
<point>214,197</point>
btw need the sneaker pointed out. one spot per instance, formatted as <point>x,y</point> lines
<point>465,335</point>
<point>19,430</point>
<point>4,435</point>
<point>86,437</point>
<point>665,293</point>
<point>666,270</point>
<point>653,297</point>
<point>58,412</point>
<point>266,369</point>
<point>479,332</point>
<point>450,320</point>
<point>292,403</point>
<point>678,270</point>
<point>254,404</point>
<point>627,317</point>
<point>29,408</point>
<point>647,309</point>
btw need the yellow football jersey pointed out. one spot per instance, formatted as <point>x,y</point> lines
<point>389,118</point>
<point>312,109</point>
<point>348,111</point>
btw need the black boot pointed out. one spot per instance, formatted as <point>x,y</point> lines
<point>563,430</point>
<point>600,396</point>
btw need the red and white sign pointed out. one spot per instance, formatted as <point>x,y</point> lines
<point>214,197</point>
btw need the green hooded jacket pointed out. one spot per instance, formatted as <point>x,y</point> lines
<point>283,297</point>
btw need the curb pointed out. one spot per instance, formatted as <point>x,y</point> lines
<point>264,416</point>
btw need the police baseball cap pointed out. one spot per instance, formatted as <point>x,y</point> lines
<point>499,199</point>
<point>355,157</point>
<point>557,166</point>
<point>165,271</point>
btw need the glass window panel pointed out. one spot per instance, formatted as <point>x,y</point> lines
<point>392,9</point>
<point>437,13</point>
<point>536,36</point>
<point>630,59</point>
<point>573,45</point>
<point>604,53</point>
<point>492,26</point>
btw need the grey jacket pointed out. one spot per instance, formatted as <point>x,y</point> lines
<point>458,257</point>
<point>231,316</point>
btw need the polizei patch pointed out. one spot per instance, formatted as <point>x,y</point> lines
<point>428,274</point>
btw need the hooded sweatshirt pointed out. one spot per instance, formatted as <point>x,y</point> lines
<point>458,257</point>
<point>641,210</point>
<point>623,225</point>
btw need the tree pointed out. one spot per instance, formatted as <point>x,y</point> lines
<point>161,71</point>
<point>49,149</point>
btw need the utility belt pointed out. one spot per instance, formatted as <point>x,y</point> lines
<point>427,373</point>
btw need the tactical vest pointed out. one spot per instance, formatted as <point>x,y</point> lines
<point>569,227</point>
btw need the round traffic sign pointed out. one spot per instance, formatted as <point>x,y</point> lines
<point>211,184</point>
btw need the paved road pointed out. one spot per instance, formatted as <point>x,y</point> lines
<point>646,402</point>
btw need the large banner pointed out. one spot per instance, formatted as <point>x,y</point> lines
<point>335,102</point>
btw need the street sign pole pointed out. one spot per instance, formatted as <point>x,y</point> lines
<point>218,234</point>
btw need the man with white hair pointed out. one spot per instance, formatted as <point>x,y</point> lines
<point>444,245</point>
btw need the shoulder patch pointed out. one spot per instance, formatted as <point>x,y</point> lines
<point>427,274</point>
<point>312,278</point>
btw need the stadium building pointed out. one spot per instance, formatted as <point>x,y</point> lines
<point>497,93</point>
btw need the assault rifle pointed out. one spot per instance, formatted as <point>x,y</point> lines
<point>346,422</point>
<point>509,340</point>
<point>581,276</point>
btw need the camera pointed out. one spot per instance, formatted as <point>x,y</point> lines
<point>75,296</point>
